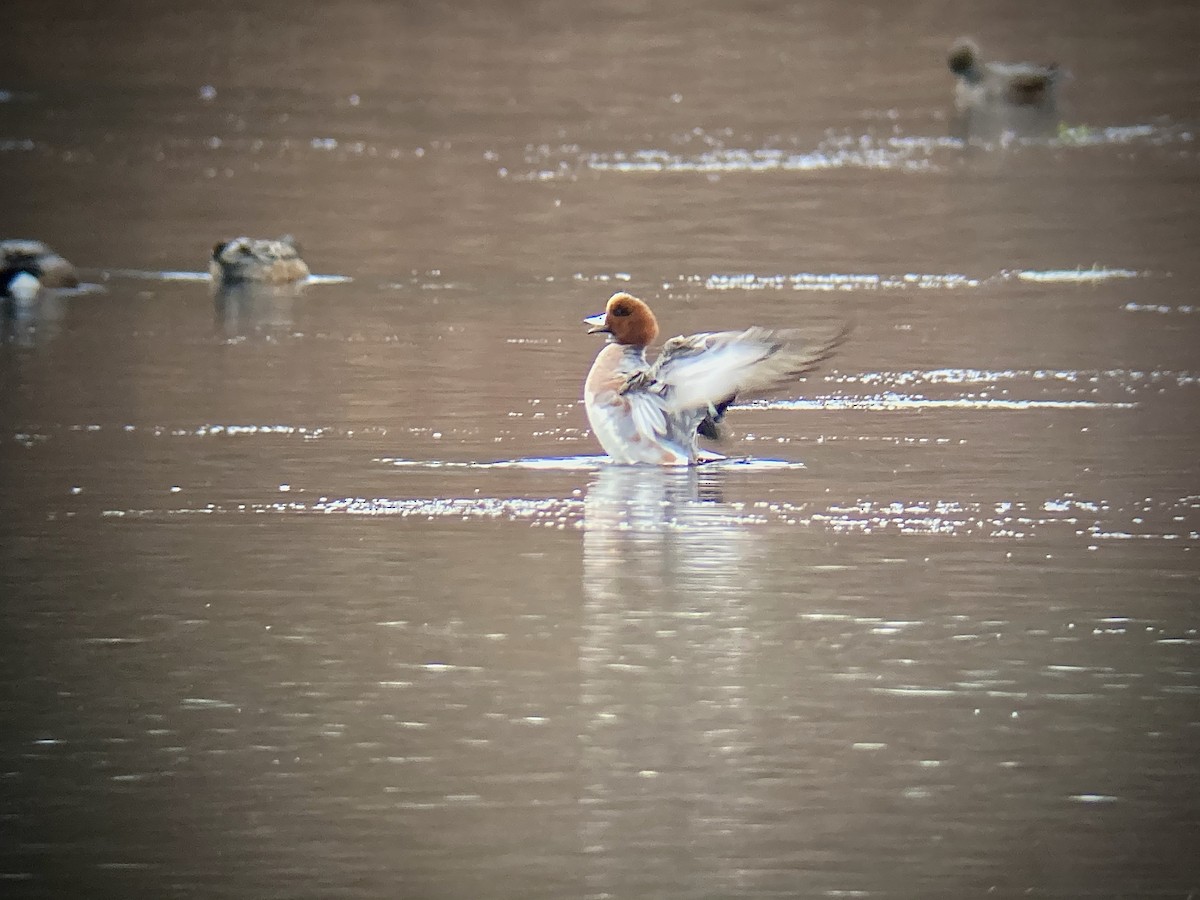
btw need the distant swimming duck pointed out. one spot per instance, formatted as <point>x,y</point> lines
<point>651,413</point>
<point>993,86</point>
<point>37,260</point>
<point>255,259</point>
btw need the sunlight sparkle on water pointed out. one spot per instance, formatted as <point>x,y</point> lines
<point>831,281</point>
<point>1076,275</point>
<point>890,401</point>
<point>188,276</point>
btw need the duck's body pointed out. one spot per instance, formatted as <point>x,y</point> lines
<point>1020,97</point>
<point>631,425</point>
<point>246,259</point>
<point>983,84</point>
<point>651,413</point>
<point>37,260</point>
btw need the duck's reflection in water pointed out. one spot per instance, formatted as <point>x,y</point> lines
<point>1003,125</point>
<point>667,570</point>
<point>33,322</point>
<point>245,308</point>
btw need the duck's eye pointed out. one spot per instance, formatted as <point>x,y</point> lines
<point>620,311</point>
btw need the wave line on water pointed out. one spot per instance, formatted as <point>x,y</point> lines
<point>899,401</point>
<point>1091,523</point>
<point>549,511</point>
<point>563,463</point>
<point>197,277</point>
<point>835,281</point>
<point>584,464</point>
<point>894,151</point>
<point>873,281</point>
<point>1073,276</point>
<point>991,376</point>
<point>1161,309</point>
<point>864,155</point>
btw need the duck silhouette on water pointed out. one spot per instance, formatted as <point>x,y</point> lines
<point>654,413</point>
<point>28,266</point>
<point>996,96</point>
<point>257,260</point>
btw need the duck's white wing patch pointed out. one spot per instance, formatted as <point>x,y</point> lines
<point>646,413</point>
<point>703,369</point>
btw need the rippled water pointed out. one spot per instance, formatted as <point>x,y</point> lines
<point>327,592</point>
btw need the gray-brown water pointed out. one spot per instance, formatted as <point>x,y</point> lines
<point>327,593</point>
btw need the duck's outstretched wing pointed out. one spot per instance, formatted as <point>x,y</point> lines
<point>705,372</point>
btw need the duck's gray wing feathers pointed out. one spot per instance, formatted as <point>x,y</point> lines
<point>700,371</point>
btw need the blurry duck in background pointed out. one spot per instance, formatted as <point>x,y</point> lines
<point>652,413</point>
<point>256,283</point>
<point>246,259</point>
<point>22,260</point>
<point>996,96</point>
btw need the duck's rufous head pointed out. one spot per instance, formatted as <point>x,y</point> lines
<point>627,319</point>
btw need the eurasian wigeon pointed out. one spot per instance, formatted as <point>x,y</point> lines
<point>37,260</point>
<point>992,86</point>
<point>256,259</point>
<point>643,413</point>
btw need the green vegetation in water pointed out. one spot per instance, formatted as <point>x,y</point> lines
<point>1087,136</point>
<point>1077,134</point>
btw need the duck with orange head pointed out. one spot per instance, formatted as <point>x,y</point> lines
<point>652,413</point>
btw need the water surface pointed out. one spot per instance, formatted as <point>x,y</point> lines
<point>327,592</point>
